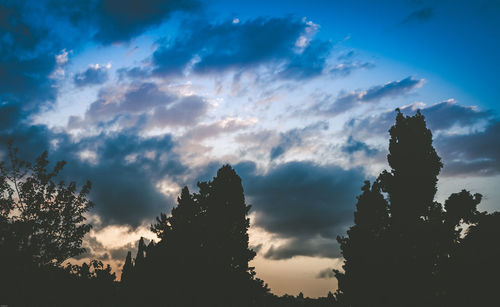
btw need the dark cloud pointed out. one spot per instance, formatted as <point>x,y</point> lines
<point>305,203</point>
<point>303,246</point>
<point>347,101</point>
<point>121,252</point>
<point>353,146</point>
<point>326,274</point>
<point>309,63</point>
<point>27,59</point>
<point>123,167</point>
<point>464,153</point>
<point>474,154</point>
<point>294,138</point>
<point>115,21</point>
<point>120,20</point>
<point>206,48</point>
<point>439,117</point>
<point>376,125</point>
<point>447,114</point>
<point>93,75</point>
<point>420,15</point>
<point>256,248</point>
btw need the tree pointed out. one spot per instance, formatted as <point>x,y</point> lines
<point>226,252</point>
<point>405,250</point>
<point>411,185</point>
<point>42,224</point>
<point>362,250</point>
<point>41,221</point>
<point>127,268</point>
<point>202,256</point>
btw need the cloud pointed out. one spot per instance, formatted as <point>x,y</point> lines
<point>424,14</point>
<point>117,21</point>
<point>465,136</point>
<point>120,20</point>
<point>304,246</point>
<point>186,111</point>
<point>304,203</point>
<point>207,48</point>
<point>347,101</point>
<point>447,114</point>
<point>295,137</point>
<point>352,146</point>
<point>142,105</point>
<point>26,61</point>
<point>123,167</point>
<point>345,69</point>
<point>440,117</point>
<point>95,74</point>
<point>227,125</point>
<point>474,154</point>
<point>309,63</point>
<point>326,274</point>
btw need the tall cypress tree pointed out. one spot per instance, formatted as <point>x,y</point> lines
<point>411,185</point>
<point>226,238</point>
<point>127,269</point>
<point>203,254</point>
<point>363,252</point>
<point>407,257</point>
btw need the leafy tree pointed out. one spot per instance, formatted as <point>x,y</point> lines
<point>203,249</point>
<point>363,250</point>
<point>405,250</point>
<point>42,224</point>
<point>40,220</point>
<point>411,185</point>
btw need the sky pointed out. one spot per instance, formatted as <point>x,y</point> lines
<point>145,97</point>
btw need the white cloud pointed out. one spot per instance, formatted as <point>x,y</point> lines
<point>62,58</point>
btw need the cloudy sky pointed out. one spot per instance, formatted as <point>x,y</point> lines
<point>144,97</point>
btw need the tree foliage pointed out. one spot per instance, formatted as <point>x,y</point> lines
<point>406,249</point>
<point>203,249</point>
<point>42,224</point>
<point>40,219</point>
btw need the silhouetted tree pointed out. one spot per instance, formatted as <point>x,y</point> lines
<point>226,237</point>
<point>364,250</point>
<point>202,256</point>
<point>91,284</point>
<point>406,250</point>
<point>41,219</point>
<point>411,187</point>
<point>127,269</point>
<point>42,224</point>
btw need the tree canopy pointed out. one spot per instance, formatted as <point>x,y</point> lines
<point>203,249</point>
<point>405,248</point>
<point>41,219</point>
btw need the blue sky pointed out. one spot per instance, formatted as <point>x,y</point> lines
<point>145,97</point>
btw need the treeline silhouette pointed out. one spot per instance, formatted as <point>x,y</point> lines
<point>404,249</point>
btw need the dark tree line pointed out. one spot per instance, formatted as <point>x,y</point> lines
<point>405,248</point>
